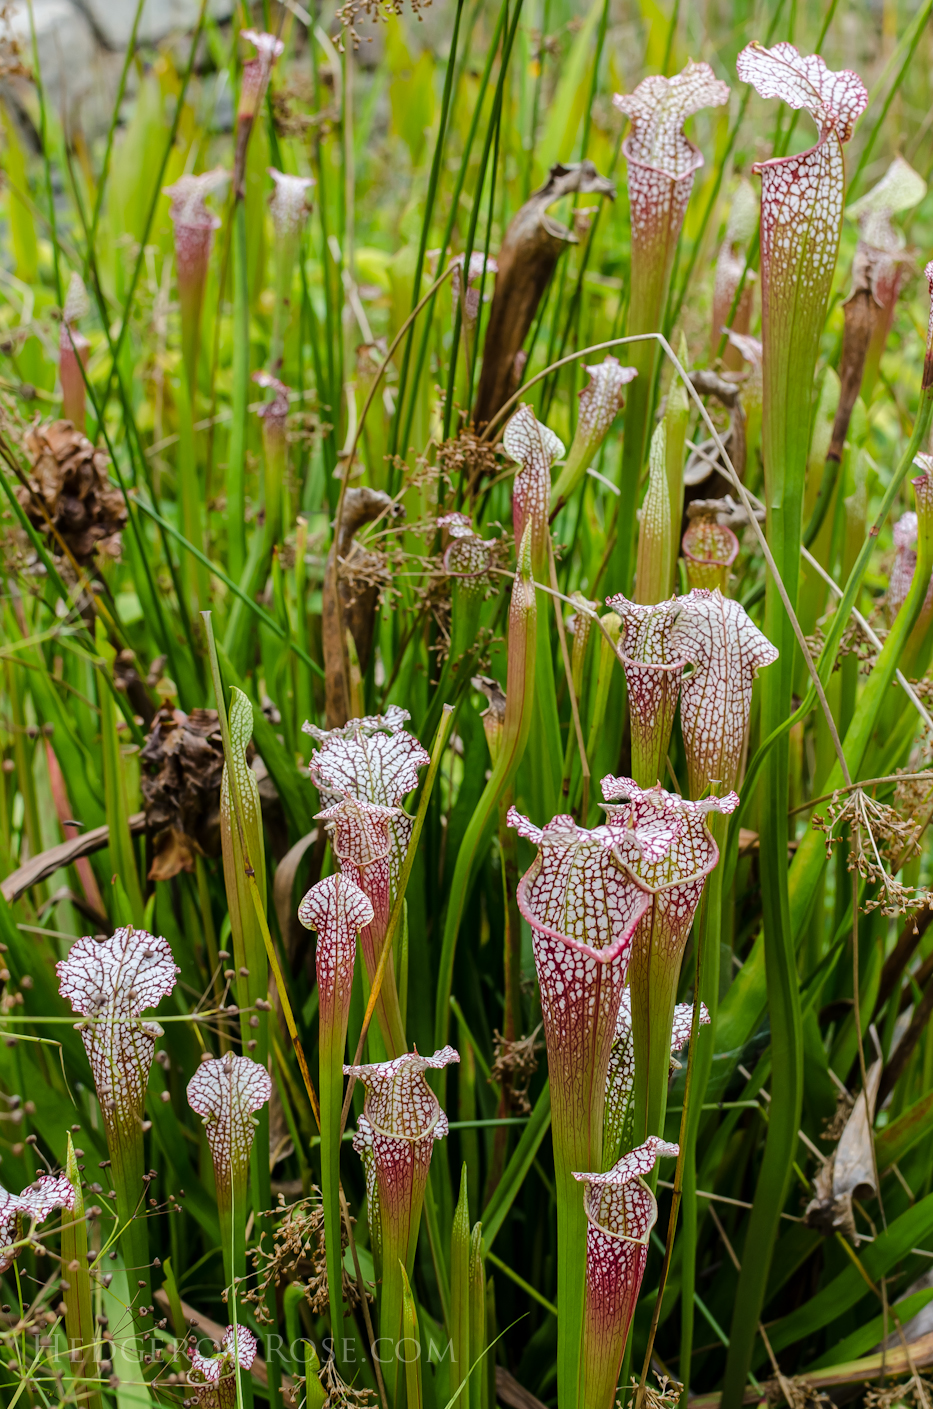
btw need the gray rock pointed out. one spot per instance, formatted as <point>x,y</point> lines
<point>67,50</point>
<point>113,19</point>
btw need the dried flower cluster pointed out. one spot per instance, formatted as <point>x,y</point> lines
<point>881,840</point>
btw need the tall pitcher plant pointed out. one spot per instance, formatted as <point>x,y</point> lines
<point>801,216</point>
<point>662,164</point>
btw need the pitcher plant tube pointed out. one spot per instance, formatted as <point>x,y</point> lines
<point>583,908</point>
<point>338,910</point>
<point>111,984</point>
<point>674,881</point>
<point>620,1213</point>
<point>401,1120</point>
<point>213,1379</point>
<point>363,772</point>
<point>600,402</point>
<point>801,215</point>
<point>619,1124</point>
<point>662,163</point>
<point>226,1092</point>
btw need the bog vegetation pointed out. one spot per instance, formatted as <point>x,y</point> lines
<point>467,523</point>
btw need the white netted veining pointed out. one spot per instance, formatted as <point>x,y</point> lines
<point>110,984</point>
<point>399,1102</point>
<point>535,448</point>
<point>226,1092</point>
<point>33,1205</point>
<point>602,398</point>
<point>337,909</point>
<point>726,649</point>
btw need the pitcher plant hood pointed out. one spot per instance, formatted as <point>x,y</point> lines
<point>111,984</point>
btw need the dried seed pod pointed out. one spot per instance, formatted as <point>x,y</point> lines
<point>68,496</point>
<point>184,759</point>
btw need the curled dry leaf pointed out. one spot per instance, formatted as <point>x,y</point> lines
<point>111,985</point>
<point>32,1206</point>
<point>706,458</point>
<point>620,1213</point>
<point>849,1173</point>
<point>532,246</point>
<point>226,1092</point>
<point>213,1378</point>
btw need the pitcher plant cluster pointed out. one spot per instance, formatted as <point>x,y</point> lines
<point>493,765</point>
